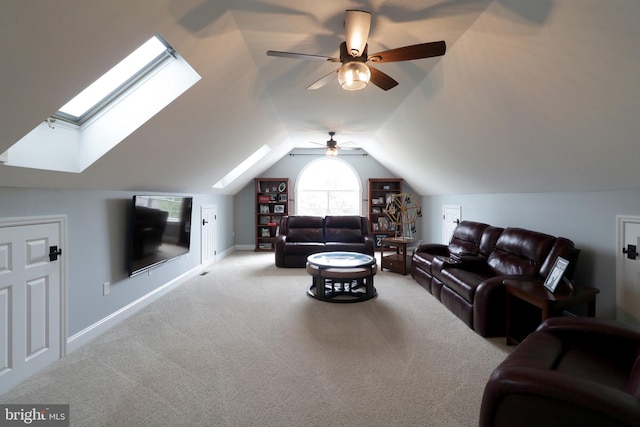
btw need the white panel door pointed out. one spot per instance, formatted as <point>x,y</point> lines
<point>628,270</point>
<point>30,297</point>
<point>208,234</point>
<point>451,216</point>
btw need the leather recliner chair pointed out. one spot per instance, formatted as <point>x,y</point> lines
<point>573,371</point>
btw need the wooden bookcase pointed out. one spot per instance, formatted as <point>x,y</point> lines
<point>272,202</point>
<point>379,190</point>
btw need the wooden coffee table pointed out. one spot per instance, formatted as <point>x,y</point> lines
<point>342,277</point>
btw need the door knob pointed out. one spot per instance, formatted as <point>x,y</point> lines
<point>204,222</point>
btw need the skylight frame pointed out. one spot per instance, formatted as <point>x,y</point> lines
<point>168,54</point>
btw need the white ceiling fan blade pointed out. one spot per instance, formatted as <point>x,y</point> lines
<point>356,31</point>
<point>323,80</point>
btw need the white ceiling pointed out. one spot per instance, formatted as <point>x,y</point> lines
<point>531,96</point>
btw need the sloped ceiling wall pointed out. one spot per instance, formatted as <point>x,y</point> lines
<point>530,97</point>
<point>527,103</point>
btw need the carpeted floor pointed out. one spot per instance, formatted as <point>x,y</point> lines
<point>243,345</point>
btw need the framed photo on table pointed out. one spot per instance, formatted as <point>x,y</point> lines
<point>552,280</point>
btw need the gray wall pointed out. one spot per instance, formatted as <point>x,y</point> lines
<point>290,167</point>
<point>96,246</point>
<point>587,218</point>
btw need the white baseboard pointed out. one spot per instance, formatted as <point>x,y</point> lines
<point>89,333</point>
<point>244,247</point>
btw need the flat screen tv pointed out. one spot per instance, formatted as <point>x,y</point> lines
<point>160,230</point>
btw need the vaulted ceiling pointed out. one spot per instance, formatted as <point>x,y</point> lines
<point>531,96</point>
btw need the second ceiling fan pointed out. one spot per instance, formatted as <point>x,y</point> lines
<point>354,73</point>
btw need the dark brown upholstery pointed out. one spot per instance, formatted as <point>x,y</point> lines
<point>570,372</point>
<point>473,287</point>
<point>301,236</point>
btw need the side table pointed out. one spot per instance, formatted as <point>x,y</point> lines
<point>550,304</point>
<point>396,262</point>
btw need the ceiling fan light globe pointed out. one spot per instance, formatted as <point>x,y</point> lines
<point>354,75</point>
<point>331,151</point>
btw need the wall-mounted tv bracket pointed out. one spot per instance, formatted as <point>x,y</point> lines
<point>631,251</point>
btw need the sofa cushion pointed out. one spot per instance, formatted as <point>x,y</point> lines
<point>466,238</point>
<point>304,248</point>
<point>520,252</point>
<point>305,229</point>
<point>343,229</point>
<point>489,238</point>
<point>462,282</point>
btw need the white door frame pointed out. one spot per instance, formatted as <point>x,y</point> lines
<point>621,220</point>
<point>61,222</point>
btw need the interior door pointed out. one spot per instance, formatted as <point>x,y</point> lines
<point>451,216</point>
<point>208,234</point>
<point>628,270</point>
<point>30,301</point>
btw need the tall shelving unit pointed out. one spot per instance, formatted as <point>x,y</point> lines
<point>272,203</point>
<point>380,189</point>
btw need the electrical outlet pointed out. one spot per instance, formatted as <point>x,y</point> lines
<point>105,288</point>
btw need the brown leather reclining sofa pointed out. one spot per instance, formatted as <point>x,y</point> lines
<point>467,275</point>
<point>301,236</point>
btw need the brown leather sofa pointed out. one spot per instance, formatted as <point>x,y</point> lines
<point>301,236</point>
<point>467,274</point>
<point>578,371</point>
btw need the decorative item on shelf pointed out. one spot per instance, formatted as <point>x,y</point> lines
<point>282,187</point>
<point>264,198</point>
<point>282,197</point>
<point>403,212</point>
<point>278,209</point>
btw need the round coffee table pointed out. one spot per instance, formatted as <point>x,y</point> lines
<point>342,277</point>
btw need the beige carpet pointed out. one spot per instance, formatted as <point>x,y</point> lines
<point>244,345</point>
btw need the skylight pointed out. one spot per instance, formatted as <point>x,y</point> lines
<point>129,71</point>
<point>243,167</point>
<point>107,112</point>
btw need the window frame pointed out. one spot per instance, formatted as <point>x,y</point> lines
<point>344,164</point>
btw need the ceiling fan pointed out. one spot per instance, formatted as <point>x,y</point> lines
<point>332,145</point>
<point>354,73</point>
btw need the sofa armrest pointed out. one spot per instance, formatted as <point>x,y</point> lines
<point>522,395</point>
<point>433,248</point>
<point>490,310</point>
<point>592,325</point>
<point>279,249</point>
<point>369,245</point>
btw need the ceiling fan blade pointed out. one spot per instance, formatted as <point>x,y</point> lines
<point>324,80</point>
<point>407,53</point>
<point>382,80</point>
<point>356,31</point>
<point>301,56</point>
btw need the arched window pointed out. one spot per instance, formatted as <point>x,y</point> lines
<point>328,186</point>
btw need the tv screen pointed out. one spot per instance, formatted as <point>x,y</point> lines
<point>160,230</point>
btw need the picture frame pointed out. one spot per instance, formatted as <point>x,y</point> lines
<point>264,209</point>
<point>282,197</point>
<point>278,209</point>
<point>264,220</point>
<point>378,239</point>
<point>554,277</point>
<point>265,232</point>
<point>375,211</point>
<point>282,187</point>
